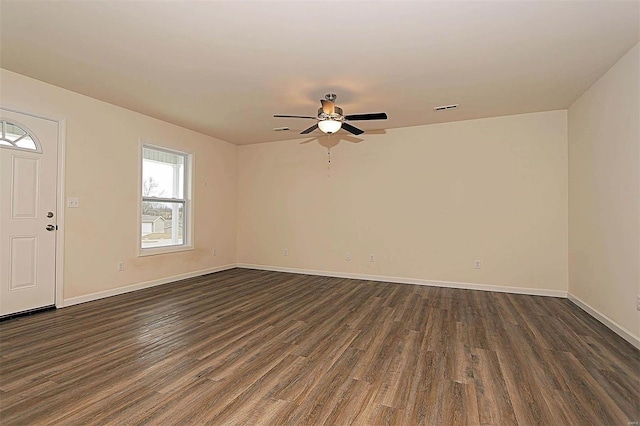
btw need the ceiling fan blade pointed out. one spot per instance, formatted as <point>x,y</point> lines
<point>294,116</point>
<point>309,130</point>
<point>352,129</point>
<point>328,107</point>
<point>372,116</point>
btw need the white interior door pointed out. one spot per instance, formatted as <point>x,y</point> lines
<point>28,212</point>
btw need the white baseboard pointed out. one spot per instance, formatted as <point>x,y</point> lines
<point>139,286</point>
<point>449,284</point>
<point>611,324</point>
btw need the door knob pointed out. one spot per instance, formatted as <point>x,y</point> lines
<point>51,227</point>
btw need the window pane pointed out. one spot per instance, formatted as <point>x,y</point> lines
<point>26,142</point>
<point>162,224</point>
<point>162,174</point>
<point>13,132</point>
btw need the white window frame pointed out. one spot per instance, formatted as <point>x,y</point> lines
<point>187,243</point>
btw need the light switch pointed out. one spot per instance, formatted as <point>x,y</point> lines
<point>73,202</point>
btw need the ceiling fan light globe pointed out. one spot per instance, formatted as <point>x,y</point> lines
<point>329,126</point>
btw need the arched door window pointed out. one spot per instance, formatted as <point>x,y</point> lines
<point>14,136</point>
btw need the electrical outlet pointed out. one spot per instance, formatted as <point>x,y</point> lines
<point>120,265</point>
<point>638,303</point>
<point>213,252</point>
<point>476,264</point>
<point>286,252</point>
<point>348,258</point>
<point>372,258</point>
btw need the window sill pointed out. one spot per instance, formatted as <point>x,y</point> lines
<point>163,250</point>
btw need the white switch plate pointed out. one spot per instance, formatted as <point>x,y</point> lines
<point>348,258</point>
<point>73,202</point>
<point>120,266</point>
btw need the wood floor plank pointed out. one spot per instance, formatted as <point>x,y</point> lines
<point>528,405</point>
<point>246,347</point>
<point>494,403</point>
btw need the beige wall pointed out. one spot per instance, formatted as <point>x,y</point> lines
<point>427,201</point>
<point>604,201</point>
<point>102,143</point>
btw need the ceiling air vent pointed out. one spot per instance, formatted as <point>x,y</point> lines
<point>445,107</point>
<point>280,129</point>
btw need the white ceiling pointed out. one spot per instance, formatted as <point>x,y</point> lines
<point>224,68</point>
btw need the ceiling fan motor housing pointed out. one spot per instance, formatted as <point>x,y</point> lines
<point>337,114</point>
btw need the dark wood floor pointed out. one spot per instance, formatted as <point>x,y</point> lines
<point>255,347</point>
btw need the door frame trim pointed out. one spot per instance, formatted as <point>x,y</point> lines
<point>60,205</point>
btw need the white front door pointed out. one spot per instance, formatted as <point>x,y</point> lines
<point>28,212</point>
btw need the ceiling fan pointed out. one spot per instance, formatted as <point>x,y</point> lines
<point>331,119</point>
